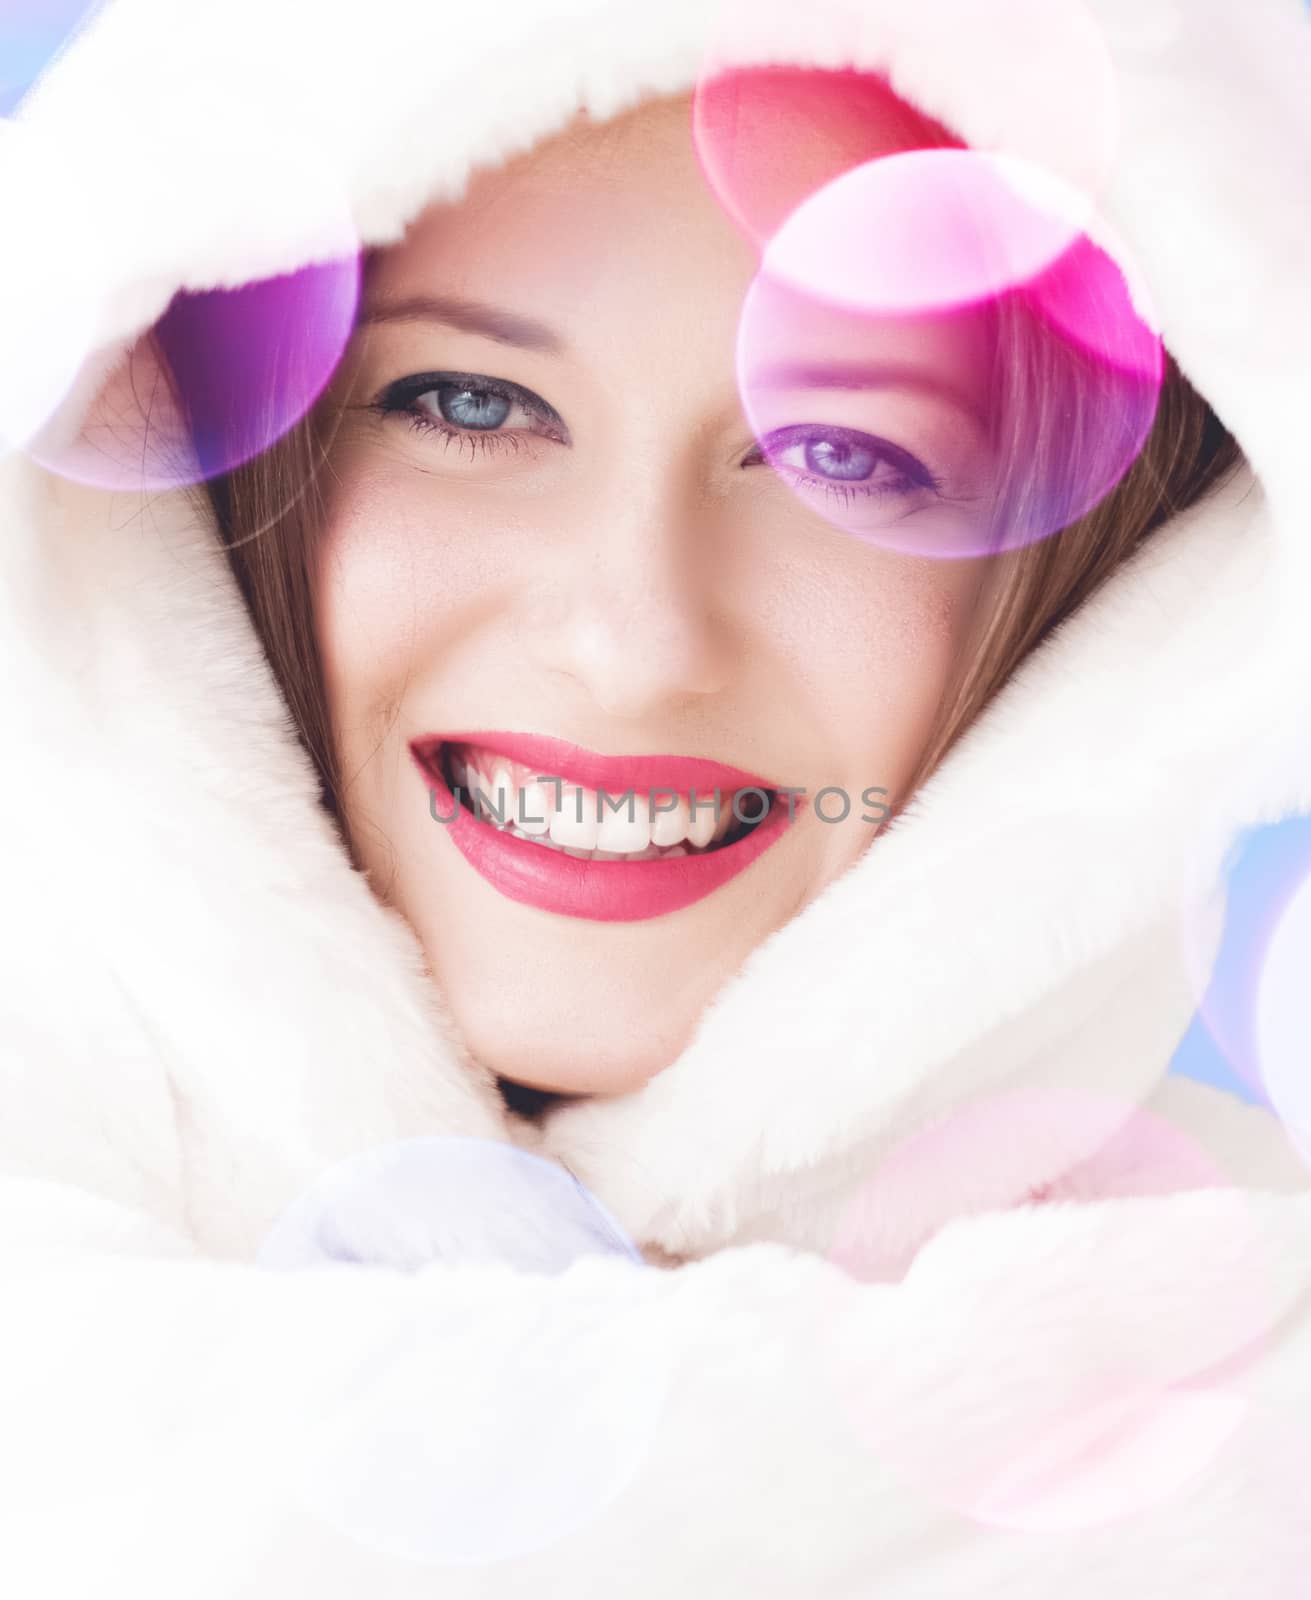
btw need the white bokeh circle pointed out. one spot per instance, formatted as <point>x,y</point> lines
<point>459,1445</point>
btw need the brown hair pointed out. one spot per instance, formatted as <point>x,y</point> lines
<point>1046,395</point>
<point>269,513</point>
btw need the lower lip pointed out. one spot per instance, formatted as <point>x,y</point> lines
<point>598,891</point>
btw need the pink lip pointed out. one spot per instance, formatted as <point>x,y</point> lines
<point>598,891</point>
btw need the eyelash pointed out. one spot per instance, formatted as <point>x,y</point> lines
<point>399,399</point>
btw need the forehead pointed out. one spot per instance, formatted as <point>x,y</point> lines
<point>575,216</point>
<point>608,229</point>
<point>774,135</point>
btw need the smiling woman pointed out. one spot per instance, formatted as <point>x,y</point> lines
<point>545,513</point>
<point>464,1158</point>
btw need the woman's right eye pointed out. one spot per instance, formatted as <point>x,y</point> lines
<point>463,407</point>
<point>469,406</point>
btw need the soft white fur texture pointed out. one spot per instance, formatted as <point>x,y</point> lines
<point>204,1007</point>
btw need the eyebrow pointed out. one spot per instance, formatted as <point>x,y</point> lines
<point>864,375</point>
<point>469,316</point>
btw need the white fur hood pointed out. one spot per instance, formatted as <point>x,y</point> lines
<point>206,1008</point>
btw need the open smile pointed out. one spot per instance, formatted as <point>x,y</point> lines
<point>604,838</point>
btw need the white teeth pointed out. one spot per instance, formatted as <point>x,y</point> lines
<point>533,813</point>
<point>568,827</point>
<point>701,827</point>
<point>651,853</point>
<point>622,833</point>
<point>669,827</point>
<point>504,794</point>
<point>532,838</point>
<point>481,794</point>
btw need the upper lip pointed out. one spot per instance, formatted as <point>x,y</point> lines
<point>572,763</point>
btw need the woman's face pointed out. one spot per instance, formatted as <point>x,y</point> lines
<point>550,517</point>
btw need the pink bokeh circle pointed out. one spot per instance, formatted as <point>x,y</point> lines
<point>862,293</point>
<point>1077,1431</point>
<point>925,231</point>
<point>765,134</point>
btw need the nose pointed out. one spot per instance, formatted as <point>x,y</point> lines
<point>635,611</point>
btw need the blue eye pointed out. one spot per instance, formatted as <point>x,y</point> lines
<point>478,409</point>
<point>465,406</point>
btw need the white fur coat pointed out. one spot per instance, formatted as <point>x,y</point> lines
<point>204,1008</point>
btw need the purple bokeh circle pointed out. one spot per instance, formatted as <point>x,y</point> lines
<point>225,374</point>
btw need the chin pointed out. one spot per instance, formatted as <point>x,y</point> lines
<point>593,1025</point>
<point>524,1067</point>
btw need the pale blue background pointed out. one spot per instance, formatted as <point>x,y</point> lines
<point>1266,866</point>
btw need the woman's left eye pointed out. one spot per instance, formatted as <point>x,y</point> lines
<point>845,461</point>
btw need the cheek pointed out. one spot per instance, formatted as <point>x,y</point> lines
<point>916,618</point>
<point>398,569</point>
<point>881,656</point>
